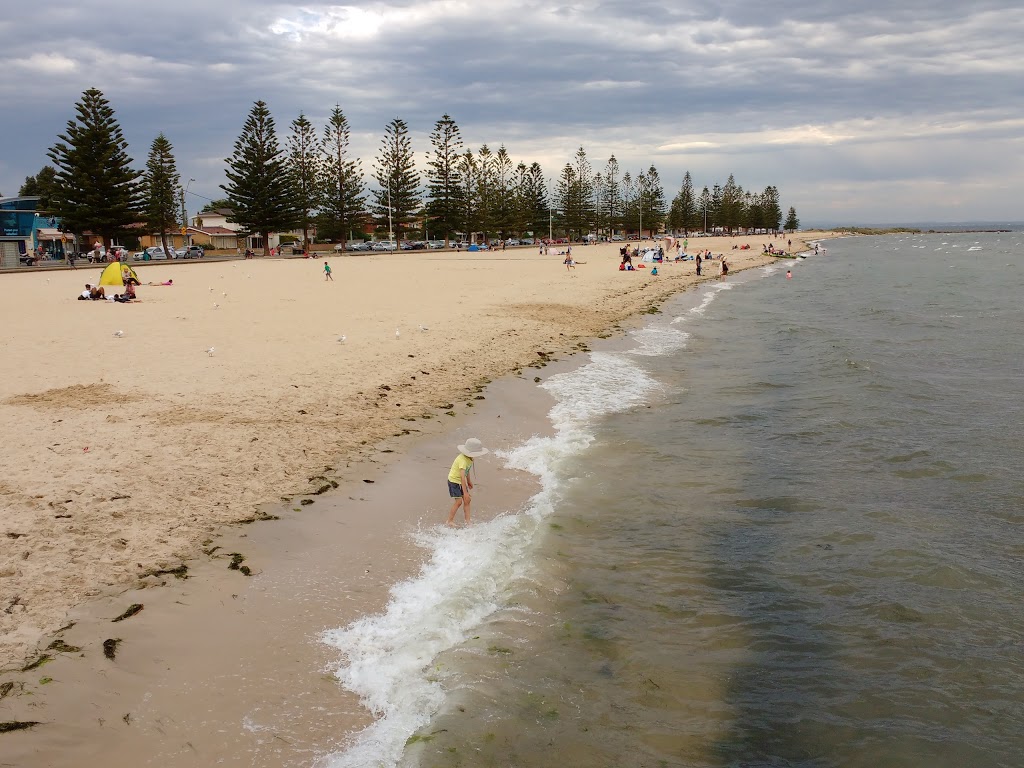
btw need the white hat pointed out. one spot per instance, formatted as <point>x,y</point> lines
<point>473,448</point>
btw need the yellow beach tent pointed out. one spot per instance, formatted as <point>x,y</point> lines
<point>115,274</point>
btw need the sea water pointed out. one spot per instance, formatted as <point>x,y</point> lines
<point>782,528</point>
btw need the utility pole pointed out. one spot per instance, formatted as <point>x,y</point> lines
<point>184,216</point>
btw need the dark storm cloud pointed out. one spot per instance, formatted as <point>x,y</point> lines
<point>839,104</point>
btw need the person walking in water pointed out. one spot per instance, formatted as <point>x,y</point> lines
<point>459,482</point>
<point>327,272</point>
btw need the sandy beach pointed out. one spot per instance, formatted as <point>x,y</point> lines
<point>230,394</point>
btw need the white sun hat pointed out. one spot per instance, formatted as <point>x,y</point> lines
<point>473,448</point>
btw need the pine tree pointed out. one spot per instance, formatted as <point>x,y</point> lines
<point>683,213</point>
<point>503,192</point>
<point>771,208</point>
<point>629,202</point>
<point>704,205</point>
<point>468,193</point>
<point>396,175</point>
<point>537,200</point>
<point>304,168</point>
<point>95,187</point>
<point>444,194</point>
<point>341,181</point>
<point>520,186</point>
<point>731,205</point>
<point>792,222</point>
<point>485,192</point>
<point>259,187</point>
<point>654,201</point>
<point>613,195</point>
<point>566,193</point>
<point>160,184</point>
<point>578,205</point>
<point>600,204</point>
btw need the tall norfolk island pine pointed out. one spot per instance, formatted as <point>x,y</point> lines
<point>444,190</point>
<point>397,177</point>
<point>259,180</point>
<point>96,189</point>
<point>341,182</point>
<point>304,165</point>
<point>159,183</point>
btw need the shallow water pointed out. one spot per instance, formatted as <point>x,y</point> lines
<point>784,529</point>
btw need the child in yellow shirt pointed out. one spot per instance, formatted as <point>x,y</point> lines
<point>459,483</point>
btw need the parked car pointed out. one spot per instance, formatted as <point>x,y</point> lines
<point>194,252</point>
<point>384,245</point>
<point>435,244</point>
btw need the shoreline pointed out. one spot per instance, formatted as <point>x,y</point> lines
<point>208,587</point>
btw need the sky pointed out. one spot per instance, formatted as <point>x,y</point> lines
<point>860,113</point>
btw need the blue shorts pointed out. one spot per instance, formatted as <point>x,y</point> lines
<point>455,490</point>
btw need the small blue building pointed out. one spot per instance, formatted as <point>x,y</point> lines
<point>24,231</point>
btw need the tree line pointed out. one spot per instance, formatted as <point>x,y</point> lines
<point>315,178</point>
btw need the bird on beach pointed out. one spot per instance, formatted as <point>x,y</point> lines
<point>225,294</point>
<point>119,334</point>
<point>341,339</point>
<point>210,351</point>
<point>216,306</point>
<point>397,334</point>
<point>424,328</point>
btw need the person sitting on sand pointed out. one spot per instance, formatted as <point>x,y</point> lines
<point>128,295</point>
<point>93,292</point>
<point>459,482</point>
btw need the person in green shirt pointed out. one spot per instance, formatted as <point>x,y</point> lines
<point>459,482</point>
<point>327,272</point>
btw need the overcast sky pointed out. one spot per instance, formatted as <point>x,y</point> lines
<point>859,113</point>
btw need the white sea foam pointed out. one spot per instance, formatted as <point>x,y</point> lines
<point>709,296</point>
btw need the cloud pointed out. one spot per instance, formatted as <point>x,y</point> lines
<point>806,95</point>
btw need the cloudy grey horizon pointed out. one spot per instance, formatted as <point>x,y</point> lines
<point>857,112</point>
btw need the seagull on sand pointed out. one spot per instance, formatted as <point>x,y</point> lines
<point>119,334</point>
<point>398,334</point>
<point>424,328</point>
<point>210,351</point>
<point>341,339</point>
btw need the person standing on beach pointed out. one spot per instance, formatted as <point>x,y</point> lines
<point>459,482</point>
<point>698,264</point>
<point>725,266</point>
<point>327,272</point>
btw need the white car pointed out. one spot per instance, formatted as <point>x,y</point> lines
<point>385,245</point>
